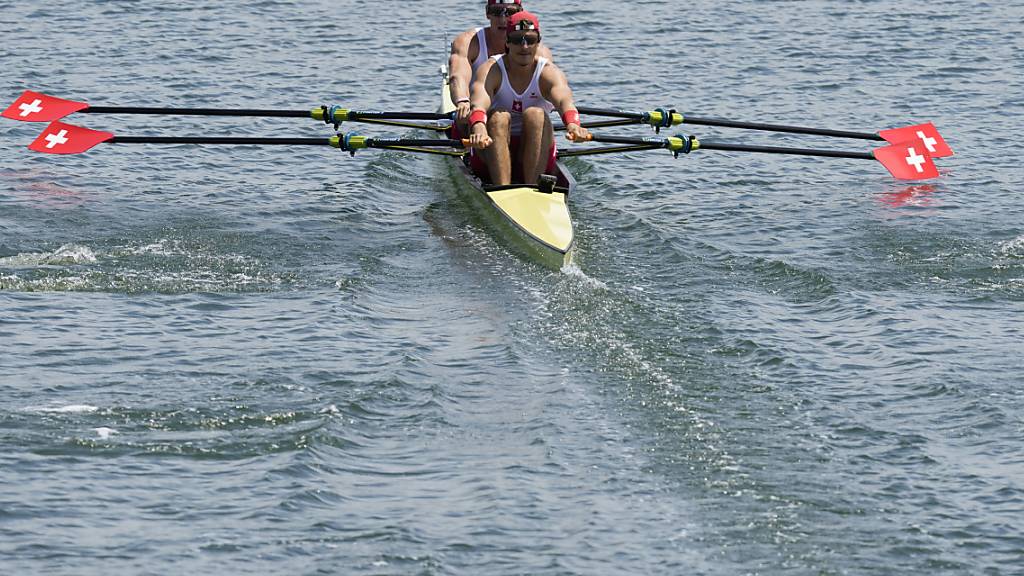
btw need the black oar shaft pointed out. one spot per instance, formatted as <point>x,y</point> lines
<point>779,128</point>
<point>195,111</point>
<point>357,115</point>
<point>652,141</point>
<point>792,151</point>
<point>219,140</point>
<point>638,116</point>
<point>357,142</point>
<point>423,142</point>
<point>678,144</point>
<point>722,123</point>
<point>353,115</point>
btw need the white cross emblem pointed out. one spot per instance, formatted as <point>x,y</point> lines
<point>916,160</point>
<point>33,108</point>
<point>929,143</point>
<point>60,138</point>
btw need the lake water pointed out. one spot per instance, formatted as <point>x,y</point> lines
<point>236,360</point>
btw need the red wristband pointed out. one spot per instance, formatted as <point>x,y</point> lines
<point>571,116</point>
<point>477,115</point>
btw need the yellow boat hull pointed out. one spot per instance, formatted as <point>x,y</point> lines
<point>539,221</point>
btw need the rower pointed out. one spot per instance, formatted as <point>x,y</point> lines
<point>512,96</point>
<point>475,46</point>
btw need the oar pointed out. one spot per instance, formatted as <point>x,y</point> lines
<point>62,138</point>
<point>662,118</point>
<point>905,160</point>
<point>37,107</point>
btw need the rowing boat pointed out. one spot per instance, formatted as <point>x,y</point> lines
<point>534,221</point>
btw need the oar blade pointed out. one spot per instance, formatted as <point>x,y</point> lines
<point>61,138</point>
<point>907,160</point>
<point>37,107</point>
<point>926,132</point>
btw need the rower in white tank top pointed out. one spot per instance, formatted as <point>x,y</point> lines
<point>482,53</point>
<point>506,98</point>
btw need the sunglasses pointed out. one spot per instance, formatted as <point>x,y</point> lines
<point>517,39</point>
<point>502,11</point>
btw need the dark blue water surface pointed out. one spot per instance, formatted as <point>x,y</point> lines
<point>289,360</point>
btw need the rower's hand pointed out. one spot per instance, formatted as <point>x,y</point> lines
<point>577,133</point>
<point>462,111</point>
<point>478,137</point>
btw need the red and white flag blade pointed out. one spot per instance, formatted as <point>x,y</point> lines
<point>61,138</point>
<point>926,132</point>
<point>37,107</point>
<point>907,160</point>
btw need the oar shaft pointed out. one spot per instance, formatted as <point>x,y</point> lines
<point>641,117</point>
<point>779,128</point>
<point>423,143</point>
<point>349,115</point>
<point>356,141</point>
<point>682,144</point>
<point>195,111</point>
<point>220,140</point>
<point>353,115</point>
<point>614,113</point>
<point>792,151</point>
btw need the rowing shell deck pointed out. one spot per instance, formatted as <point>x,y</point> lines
<point>538,222</point>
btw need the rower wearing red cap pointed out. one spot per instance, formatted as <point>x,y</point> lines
<point>512,97</point>
<point>472,48</point>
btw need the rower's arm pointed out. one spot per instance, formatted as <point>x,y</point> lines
<point>486,83</point>
<point>555,88</point>
<point>484,86</point>
<point>460,71</point>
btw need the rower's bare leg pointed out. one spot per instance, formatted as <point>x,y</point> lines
<point>498,155</point>
<point>536,143</point>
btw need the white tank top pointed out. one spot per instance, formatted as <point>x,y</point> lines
<point>482,55</point>
<point>508,99</point>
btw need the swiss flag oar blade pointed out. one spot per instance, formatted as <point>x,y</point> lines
<point>36,107</point>
<point>61,138</point>
<point>907,160</point>
<point>926,132</point>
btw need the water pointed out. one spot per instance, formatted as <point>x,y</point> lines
<point>242,360</point>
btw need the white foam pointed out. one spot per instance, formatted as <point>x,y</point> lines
<point>1013,248</point>
<point>104,433</point>
<point>571,269</point>
<point>65,255</point>
<point>70,409</point>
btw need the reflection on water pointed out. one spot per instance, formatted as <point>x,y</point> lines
<point>919,195</point>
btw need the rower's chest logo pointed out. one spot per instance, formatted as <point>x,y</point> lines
<point>517,106</point>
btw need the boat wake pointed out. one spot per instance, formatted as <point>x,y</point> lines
<point>573,270</point>
<point>67,254</point>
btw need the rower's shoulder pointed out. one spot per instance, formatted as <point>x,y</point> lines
<point>551,70</point>
<point>545,52</point>
<point>487,68</point>
<point>464,39</point>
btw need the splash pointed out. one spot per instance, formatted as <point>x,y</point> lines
<point>572,270</point>
<point>66,255</point>
<point>104,433</point>
<point>70,409</point>
<point>1012,248</point>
